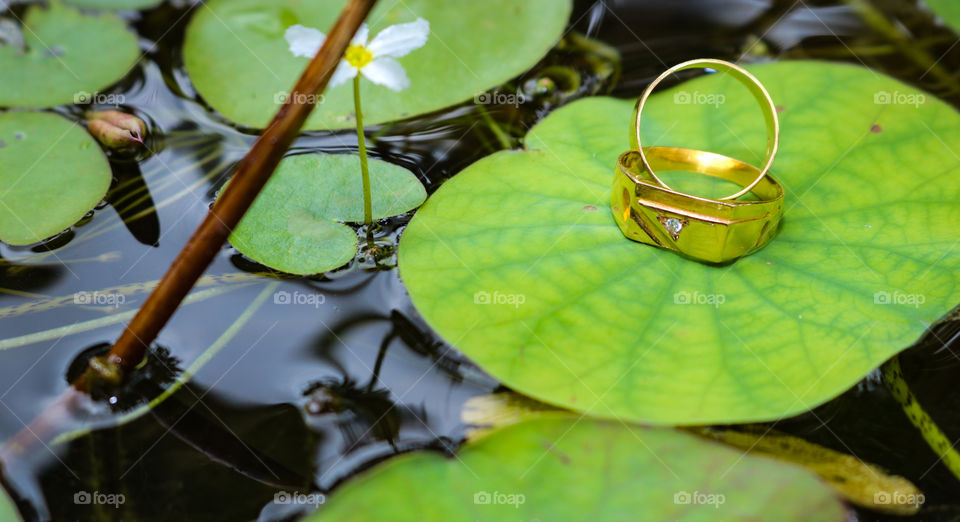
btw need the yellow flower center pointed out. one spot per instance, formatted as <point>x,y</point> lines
<point>358,56</point>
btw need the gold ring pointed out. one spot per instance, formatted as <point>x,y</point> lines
<point>704,229</point>
<point>755,87</point>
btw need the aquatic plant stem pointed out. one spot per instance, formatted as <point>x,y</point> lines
<point>364,168</point>
<point>506,142</point>
<point>935,437</point>
<point>251,175</point>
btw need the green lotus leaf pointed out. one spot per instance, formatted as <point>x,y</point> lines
<point>68,57</point>
<point>294,224</point>
<point>116,4</point>
<point>51,174</point>
<point>518,262</point>
<point>238,60</point>
<point>949,10</point>
<point>565,469</point>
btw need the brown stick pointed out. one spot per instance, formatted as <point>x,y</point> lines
<point>251,175</point>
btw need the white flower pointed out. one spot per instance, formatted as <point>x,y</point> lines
<point>375,59</point>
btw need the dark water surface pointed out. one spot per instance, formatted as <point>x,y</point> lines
<point>304,396</point>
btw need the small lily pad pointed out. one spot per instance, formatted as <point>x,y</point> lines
<point>570,469</point>
<point>239,61</point>
<point>51,174</point>
<point>295,223</point>
<point>949,10</point>
<point>517,260</point>
<point>68,57</point>
<point>116,4</point>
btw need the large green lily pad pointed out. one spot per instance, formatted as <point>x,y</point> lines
<point>294,224</point>
<point>51,174</point>
<point>238,59</point>
<point>69,56</point>
<point>949,10</point>
<point>518,262</point>
<point>562,469</point>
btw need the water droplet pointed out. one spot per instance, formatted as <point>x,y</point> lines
<point>19,136</point>
<point>2,144</point>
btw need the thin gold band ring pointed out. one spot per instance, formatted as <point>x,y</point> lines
<point>755,87</point>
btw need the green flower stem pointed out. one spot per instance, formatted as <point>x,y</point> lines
<point>938,441</point>
<point>365,171</point>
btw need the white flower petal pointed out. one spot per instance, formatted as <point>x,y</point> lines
<point>387,72</point>
<point>398,40</point>
<point>344,73</point>
<point>304,41</point>
<point>362,35</point>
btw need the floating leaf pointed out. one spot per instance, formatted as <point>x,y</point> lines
<point>949,10</point>
<point>517,260</point>
<point>294,226</point>
<point>238,59</point>
<point>565,469</point>
<point>116,4</point>
<point>51,174</point>
<point>69,56</point>
<point>485,414</point>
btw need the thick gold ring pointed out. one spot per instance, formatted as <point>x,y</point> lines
<point>704,229</point>
<point>755,87</point>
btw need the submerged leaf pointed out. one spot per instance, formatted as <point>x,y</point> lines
<point>69,55</point>
<point>8,511</point>
<point>473,46</point>
<point>518,261</point>
<point>570,469</point>
<point>294,225</point>
<point>485,414</point>
<point>51,174</point>
<point>859,482</point>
